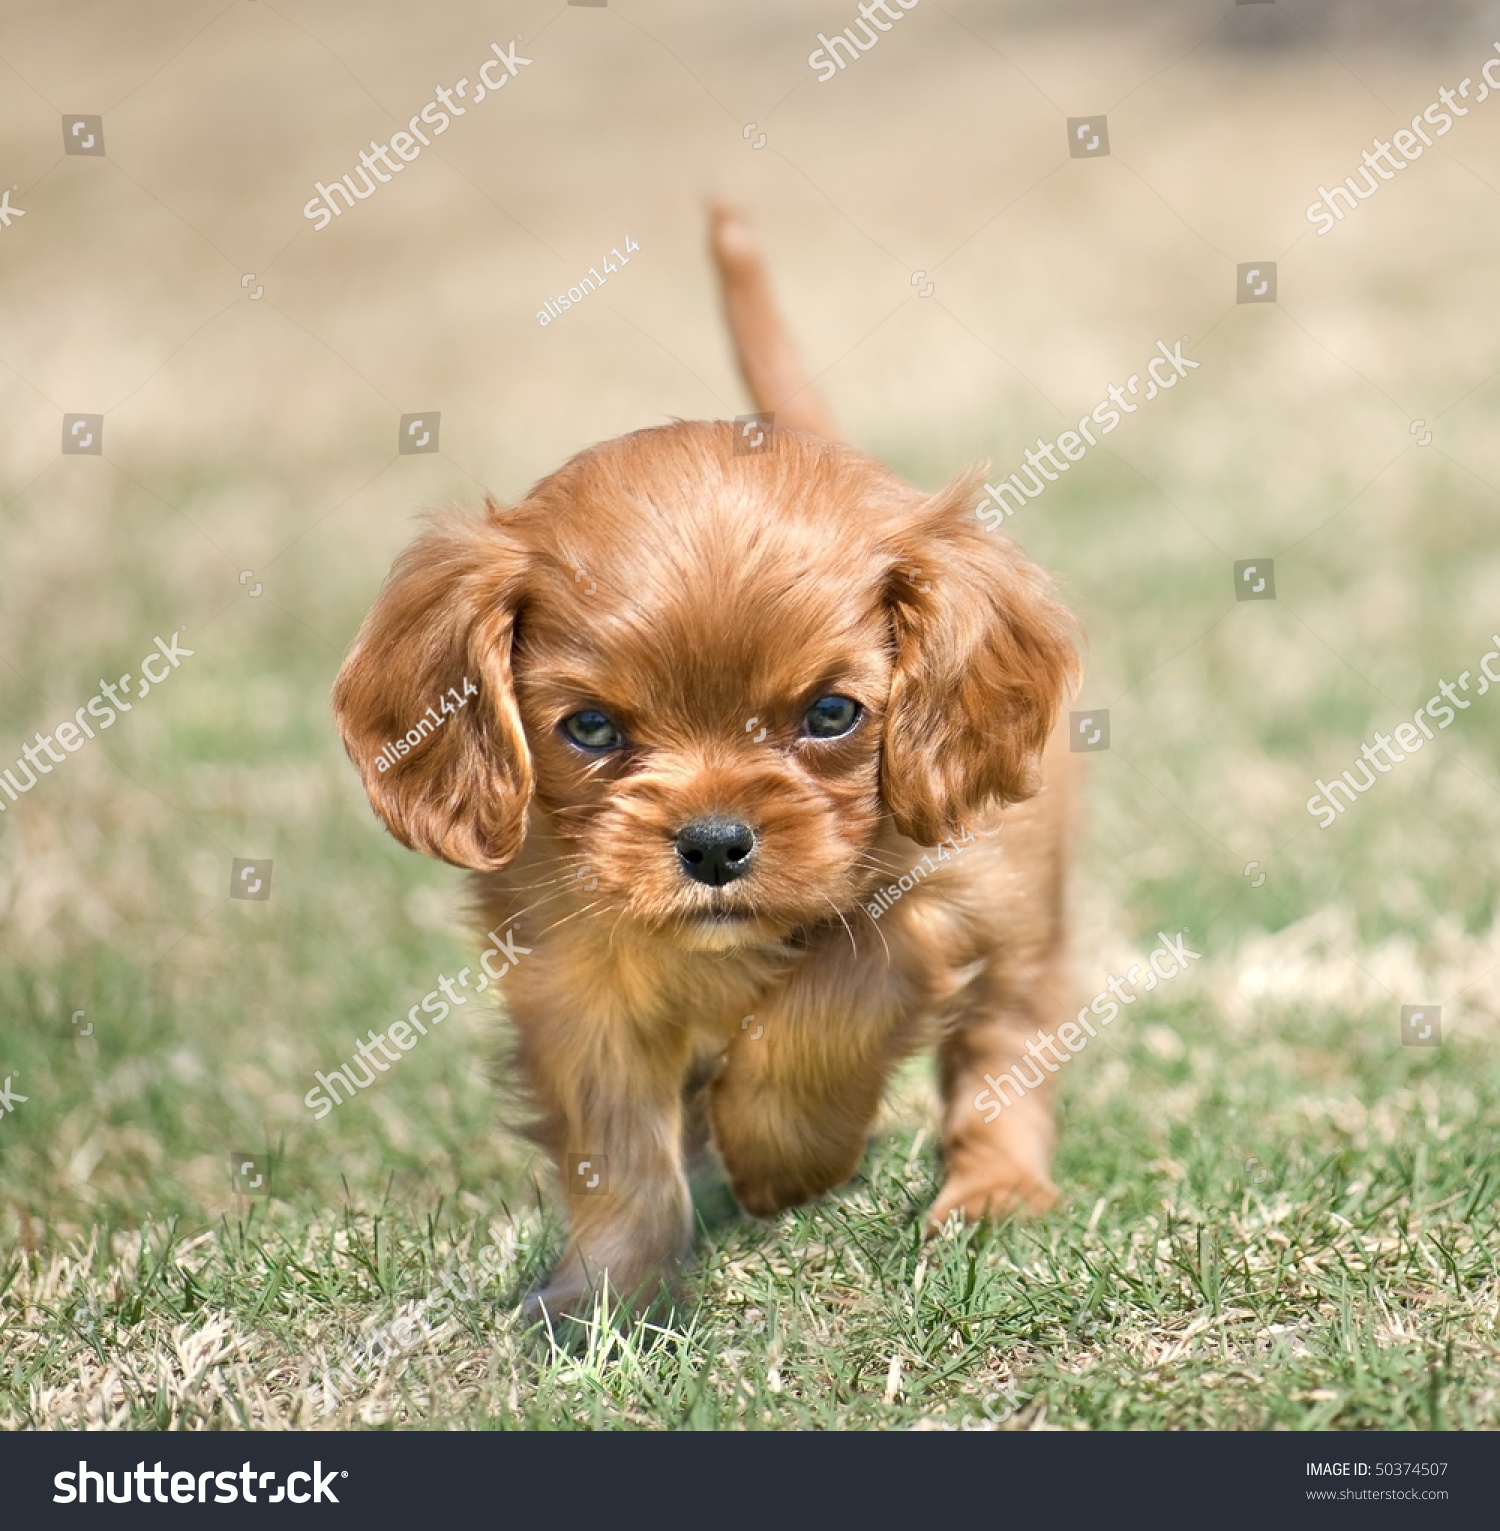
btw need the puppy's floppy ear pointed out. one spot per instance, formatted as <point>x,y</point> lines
<point>984,658</point>
<point>446,614</point>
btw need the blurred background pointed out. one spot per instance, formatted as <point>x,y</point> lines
<point>960,283</point>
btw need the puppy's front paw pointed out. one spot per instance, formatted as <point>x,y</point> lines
<point>994,1191</point>
<point>561,1302</point>
<point>765,1189</point>
<point>581,1295</point>
<point>765,1197</point>
<point>780,1150</point>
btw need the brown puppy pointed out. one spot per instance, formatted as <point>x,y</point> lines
<point>724,701</point>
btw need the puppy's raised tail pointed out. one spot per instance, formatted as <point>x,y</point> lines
<point>769,363</point>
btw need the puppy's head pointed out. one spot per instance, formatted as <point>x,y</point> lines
<point>706,679</point>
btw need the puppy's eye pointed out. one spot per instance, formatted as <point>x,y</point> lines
<point>830,717</point>
<point>591,730</point>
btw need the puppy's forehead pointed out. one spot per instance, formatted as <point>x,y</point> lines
<point>671,573</point>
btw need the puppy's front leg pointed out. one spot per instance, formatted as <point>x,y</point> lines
<point>793,1107</point>
<point>612,1121</point>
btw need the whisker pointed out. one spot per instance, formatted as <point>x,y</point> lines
<point>545,882</point>
<point>885,874</point>
<point>613,928</point>
<point>550,898</point>
<point>879,932</point>
<point>853,944</point>
<point>573,916</point>
<point>887,858</point>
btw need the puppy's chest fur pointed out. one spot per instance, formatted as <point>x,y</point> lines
<point>908,968</point>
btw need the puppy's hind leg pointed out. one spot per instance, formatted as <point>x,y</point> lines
<point>997,1062</point>
<point>997,1154</point>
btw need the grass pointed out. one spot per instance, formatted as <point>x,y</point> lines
<point>1349,1286</point>
<point>1275,1215</point>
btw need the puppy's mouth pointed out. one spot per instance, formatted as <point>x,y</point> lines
<point>719,927</point>
<point>719,922</point>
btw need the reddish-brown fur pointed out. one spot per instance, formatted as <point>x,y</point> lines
<point>699,596</point>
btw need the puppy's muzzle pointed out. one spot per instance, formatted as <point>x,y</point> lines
<point>715,851</point>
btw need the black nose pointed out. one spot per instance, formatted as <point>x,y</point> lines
<point>715,851</point>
